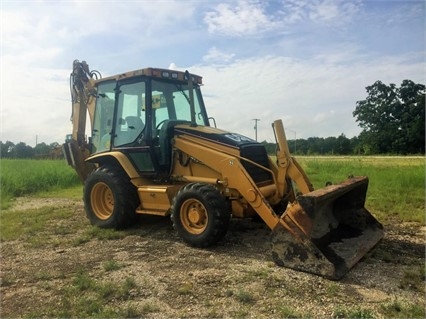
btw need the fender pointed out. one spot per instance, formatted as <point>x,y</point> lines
<point>122,160</point>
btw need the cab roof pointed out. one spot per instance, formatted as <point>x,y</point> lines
<point>154,73</point>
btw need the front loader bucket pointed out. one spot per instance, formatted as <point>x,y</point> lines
<point>327,231</point>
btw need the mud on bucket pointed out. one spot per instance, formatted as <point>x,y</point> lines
<point>327,231</point>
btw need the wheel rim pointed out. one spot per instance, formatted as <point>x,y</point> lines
<point>193,216</point>
<point>102,201</point>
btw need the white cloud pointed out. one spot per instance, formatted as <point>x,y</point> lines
<point>246,18</point>
<point>173,66</point>
<point>76,25</point>
<point>34,103</point>
<point>336,11</point>
<point>323,117</point>
<point>216,56</point>
<point>312,99</point>
<point>293,11</point>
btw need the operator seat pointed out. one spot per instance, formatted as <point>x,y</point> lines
<point>135,126</point>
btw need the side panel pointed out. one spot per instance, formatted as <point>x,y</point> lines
<point>156,200</point>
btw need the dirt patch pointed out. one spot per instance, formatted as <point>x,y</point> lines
<point>31,203</point>
<point>152,273</point>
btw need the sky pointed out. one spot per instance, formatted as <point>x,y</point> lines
<point>306,62</point>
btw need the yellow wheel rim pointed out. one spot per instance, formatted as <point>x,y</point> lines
<point>102,201</point>
<point>193,216</point>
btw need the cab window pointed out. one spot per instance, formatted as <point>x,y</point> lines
<point>130,118</point>
<point>103,117</point>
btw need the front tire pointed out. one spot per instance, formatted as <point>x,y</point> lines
<point>110,200</point>
<point>200,214</point>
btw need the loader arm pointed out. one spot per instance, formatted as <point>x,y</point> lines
<point>233,174</point>
<point>288,167</point>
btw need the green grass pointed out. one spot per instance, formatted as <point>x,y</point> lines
<point>185,288</point>
<point>19,177</point>
<point>398,309</point>
<point>73,192</point>
<point>396,190</point>
<point>149,307</point>
<point>396,185</point>
<point>414,279</point>
<point>355,313</point>
<point>286,311</point>
<point>244,296</point>
<point>31,225</point>
<point>112,265</point>
<point>87,297</point>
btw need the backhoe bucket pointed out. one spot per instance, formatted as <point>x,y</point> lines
<point>327,231</point>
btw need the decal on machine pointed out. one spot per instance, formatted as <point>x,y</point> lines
<point>238,138</point>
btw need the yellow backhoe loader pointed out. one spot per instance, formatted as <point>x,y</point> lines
<point>152,151</point>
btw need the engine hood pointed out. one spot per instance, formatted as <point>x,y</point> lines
<point>245,146</point>
<point>215,135</point>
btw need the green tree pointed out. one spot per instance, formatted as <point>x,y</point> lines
<point>41,149</point>
<point>329,145</point>
<point>392,118</point>
<point>314,146</point>
<point>6,149</point>
<point>343,145</point>
<point>22,150</point>
<point>412,125</point>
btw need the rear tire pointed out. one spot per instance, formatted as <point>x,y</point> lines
<point>200,214</point>
<point>110,200</point>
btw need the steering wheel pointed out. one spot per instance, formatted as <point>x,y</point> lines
<point>159,124</point>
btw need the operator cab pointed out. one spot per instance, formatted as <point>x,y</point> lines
<point>136,114</point>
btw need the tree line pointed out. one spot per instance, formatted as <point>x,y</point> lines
<point>320,146</point>
<point>392,120</point>
<point>22,150</point>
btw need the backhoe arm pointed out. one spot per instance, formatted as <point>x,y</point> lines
<point>83,95</point>
<point>82,92</point>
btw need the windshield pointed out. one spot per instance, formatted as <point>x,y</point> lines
<point>170,101</point>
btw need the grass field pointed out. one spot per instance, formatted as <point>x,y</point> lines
<point>396,184</point>
<point>146,272</point>
<point>26,177</point>
<point>396,188</point>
